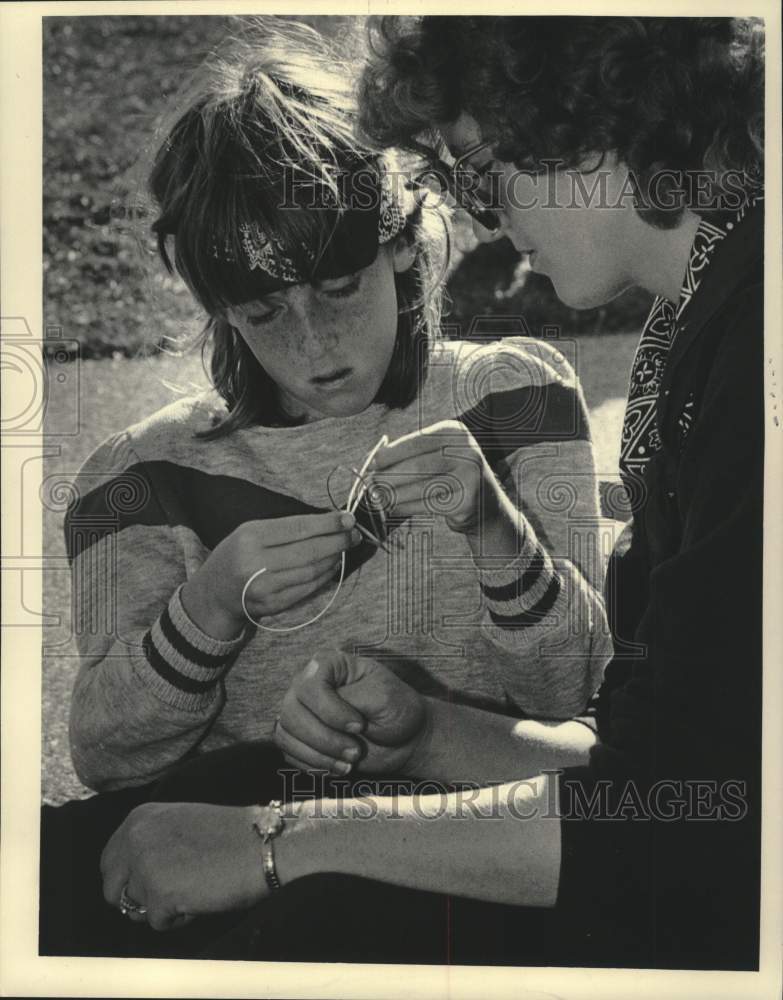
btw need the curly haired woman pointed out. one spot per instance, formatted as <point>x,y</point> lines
<point>614,152</point>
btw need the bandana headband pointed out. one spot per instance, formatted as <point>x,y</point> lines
<point>353,244</point>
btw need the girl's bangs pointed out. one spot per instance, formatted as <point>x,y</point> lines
<point>214,258</point>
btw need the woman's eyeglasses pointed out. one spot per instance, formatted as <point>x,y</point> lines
<point>464,182</point>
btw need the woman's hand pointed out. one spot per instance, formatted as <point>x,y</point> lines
<point>300,554</point>
<point>438,470</point>
<point>182,860</point>
<point>343,710</point>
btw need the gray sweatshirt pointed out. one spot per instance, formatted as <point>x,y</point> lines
<point>528,638</point>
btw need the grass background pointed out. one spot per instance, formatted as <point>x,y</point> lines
<point>108,307</point>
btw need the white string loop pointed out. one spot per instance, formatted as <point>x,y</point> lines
<point>354,498</point>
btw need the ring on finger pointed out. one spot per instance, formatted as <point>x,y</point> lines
<point>128,904</point>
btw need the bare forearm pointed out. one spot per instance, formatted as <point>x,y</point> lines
<point>500,844</point>
<point>464,744</point>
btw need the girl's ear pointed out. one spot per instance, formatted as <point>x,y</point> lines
<point>404,254</point>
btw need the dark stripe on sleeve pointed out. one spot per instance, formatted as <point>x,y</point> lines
<point>506,592</point>
<point>532,574</point>
<point>503,422</point>
<point>123,500</point>
<point>169,674</point>
<point>210,661</point>
<point>164,493</point>
<point>514,590</point>
<point>535,614</point>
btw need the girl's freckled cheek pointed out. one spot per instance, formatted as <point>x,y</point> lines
<point>296,343</point>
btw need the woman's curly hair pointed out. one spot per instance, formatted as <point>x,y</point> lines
<point>680,95</point>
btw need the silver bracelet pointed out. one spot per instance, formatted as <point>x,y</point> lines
<point>269,825</point>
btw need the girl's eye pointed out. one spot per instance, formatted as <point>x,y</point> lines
<point>344,291</point>
<point>262,319</point>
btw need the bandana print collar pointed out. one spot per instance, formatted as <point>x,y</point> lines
<point>640,438</point>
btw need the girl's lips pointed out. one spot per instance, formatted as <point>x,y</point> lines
<point>334,379</point>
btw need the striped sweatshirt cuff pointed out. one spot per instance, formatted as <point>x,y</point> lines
<point>524,592</point>
<point>186,663</point>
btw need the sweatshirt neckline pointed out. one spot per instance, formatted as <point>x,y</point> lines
<point>374,413</point>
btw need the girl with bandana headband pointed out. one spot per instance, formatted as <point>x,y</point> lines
<point>353,489</point>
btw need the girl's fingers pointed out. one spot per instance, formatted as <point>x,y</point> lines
<point>299,593</point>
<point>426,476</point>
<point>297,720</point>
<point>427,440</point>
<point>421,466</point>
<point>408,446</point>
<point>306,755</point>
<point>438,495</point>
<point>297,554</point>
<point>284,600</point>
<point>161,918</point>
<point>284,530</point>
<point>136,892</point>
<point>314,688</point>
<point>284,579</point>
<point>301,764</point>
<point>114,868</point>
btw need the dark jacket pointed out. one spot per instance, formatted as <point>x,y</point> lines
<point>679,713</point>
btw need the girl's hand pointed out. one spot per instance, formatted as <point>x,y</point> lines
<point>301,554</point>
<point>182,860</point>
<point>437,470</point>
<point>343,711</point>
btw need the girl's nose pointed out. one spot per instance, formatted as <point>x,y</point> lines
<point>317,333</point>
<point>318,339</point>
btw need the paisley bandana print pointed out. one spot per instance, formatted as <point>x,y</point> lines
<point>640,438</point>
<point>353,241</point>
